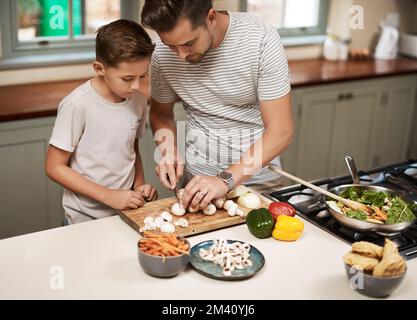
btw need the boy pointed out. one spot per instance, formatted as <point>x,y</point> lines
<point>93,150</point>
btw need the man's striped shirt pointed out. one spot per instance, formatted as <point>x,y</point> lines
<point>221,94</point>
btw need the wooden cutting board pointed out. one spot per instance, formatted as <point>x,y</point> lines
<point>197,222</point>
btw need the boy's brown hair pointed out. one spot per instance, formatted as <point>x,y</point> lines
<point>122,40</point>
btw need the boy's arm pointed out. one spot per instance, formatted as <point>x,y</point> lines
<point>56,167</point>
<point>139,175</point>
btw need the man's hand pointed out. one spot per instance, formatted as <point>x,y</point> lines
<point>148,192</point>
<point>124,199</point>
<point>201,190</point>
<point>170,171</point>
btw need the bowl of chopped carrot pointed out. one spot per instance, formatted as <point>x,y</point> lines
<point>163,255</point>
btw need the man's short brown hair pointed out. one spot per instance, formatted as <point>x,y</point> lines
<point>163,15</point>
<point>122,40</point>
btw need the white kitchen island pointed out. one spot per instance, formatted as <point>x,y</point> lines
<point>98,260</point>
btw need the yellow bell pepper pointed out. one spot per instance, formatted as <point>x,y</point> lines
<point>288,228</point>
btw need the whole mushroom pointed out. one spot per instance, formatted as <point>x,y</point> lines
<point>177,210</point>
<point>210,210</point>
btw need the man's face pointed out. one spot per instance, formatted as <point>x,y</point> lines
<point>189,44</point>
<point>128,77</point>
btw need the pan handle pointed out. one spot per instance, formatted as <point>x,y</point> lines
<point>352,169</point>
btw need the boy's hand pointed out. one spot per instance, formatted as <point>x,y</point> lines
<point>124,199</point>
<point>148,192</point>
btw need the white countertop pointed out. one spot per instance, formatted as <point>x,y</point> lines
<point>99,261</point>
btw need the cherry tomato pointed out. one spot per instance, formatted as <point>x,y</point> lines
<point>281,208</point>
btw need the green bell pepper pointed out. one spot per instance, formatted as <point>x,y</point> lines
<point>260,223</point>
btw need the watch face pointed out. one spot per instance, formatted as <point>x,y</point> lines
<point>225,175</point>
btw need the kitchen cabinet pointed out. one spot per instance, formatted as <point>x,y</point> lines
<point>30,201</point>
<point>369,120</point>
<point>393,121</point>
<point>351,128</point>
<point>289,157</point>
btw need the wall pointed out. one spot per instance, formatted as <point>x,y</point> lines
<point>232,5</point>
<point>414,14</point>
<point>339,17</point>
<point>376,11</point>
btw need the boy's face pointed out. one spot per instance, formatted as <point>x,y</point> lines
<point>128,77</point>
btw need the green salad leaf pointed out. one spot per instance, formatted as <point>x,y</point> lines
<point>373,198</point>
<point>369,197</point>
<point>357,214</point>
<point>351,193</point>
<point>400,211</point>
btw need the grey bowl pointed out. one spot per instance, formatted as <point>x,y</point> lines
<point>160,266</point>
<point>368,285</point>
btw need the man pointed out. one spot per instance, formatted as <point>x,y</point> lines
<point>230,71</point>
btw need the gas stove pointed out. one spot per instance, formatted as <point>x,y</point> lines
<point>307,202</point>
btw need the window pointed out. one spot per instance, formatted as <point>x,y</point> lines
<point>45,32</point>
<point>293,18</point>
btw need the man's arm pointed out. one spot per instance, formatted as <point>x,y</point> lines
<point>278,123</point>
<point>279,128</point>
<point>148,192</point>
<point>56,167</point>
<point>171,167</point>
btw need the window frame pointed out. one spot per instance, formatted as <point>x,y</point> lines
<point>303,35</point>
<point>15,54</point>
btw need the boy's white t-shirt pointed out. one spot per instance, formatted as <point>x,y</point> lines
<point>100,135</point>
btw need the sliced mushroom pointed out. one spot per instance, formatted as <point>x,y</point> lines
<point>159,221</point>
<point>183,223</point>
<point>168,227</point>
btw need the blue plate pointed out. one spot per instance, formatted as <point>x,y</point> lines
<point>212,270</point>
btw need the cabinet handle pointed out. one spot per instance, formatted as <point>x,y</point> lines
<point>384,99</point>
<point>349,96</point>
<point>341,97</point>
<point>345,96</point>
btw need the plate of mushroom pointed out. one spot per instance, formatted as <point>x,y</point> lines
<point>226,259</point>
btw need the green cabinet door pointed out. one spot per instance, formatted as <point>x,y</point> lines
<point>30,201</point>
<point>313,144</point>
<point>393,122</point>
<point>352,128</point>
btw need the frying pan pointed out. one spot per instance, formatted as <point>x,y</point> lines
<point>386,230</point>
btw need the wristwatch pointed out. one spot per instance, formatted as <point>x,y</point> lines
<point>227,178</point>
